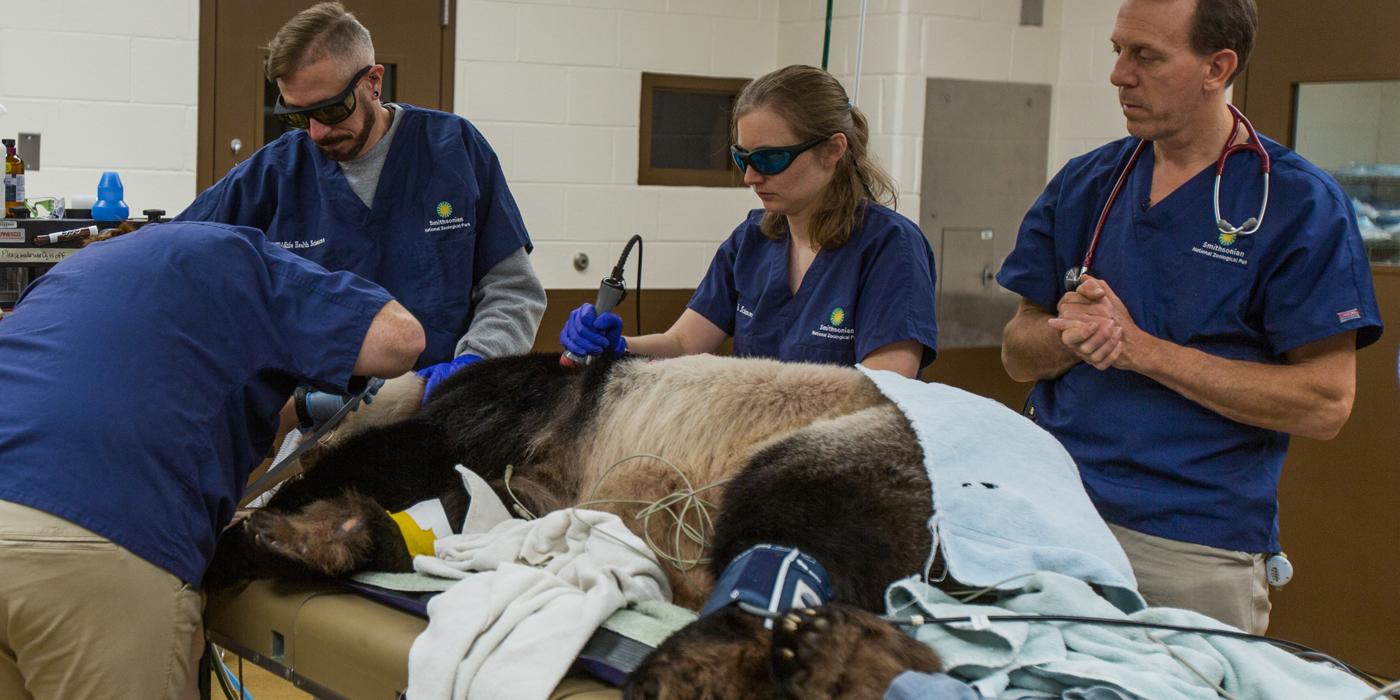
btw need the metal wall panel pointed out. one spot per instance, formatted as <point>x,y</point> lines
<point>984,162</point>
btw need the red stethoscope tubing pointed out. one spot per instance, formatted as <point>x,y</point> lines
<point>1253,144</point>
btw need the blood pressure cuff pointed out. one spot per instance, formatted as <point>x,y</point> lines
<point>773,578</point>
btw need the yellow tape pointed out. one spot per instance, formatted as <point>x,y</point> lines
<point>419,541</point>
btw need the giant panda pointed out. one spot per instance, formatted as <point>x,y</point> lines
<point>815,456</point>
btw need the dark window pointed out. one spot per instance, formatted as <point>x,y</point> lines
<point>685,130</point>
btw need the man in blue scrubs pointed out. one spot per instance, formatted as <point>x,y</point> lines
<point>1177,371</point>
<point>142,381</point>
<point>412,199</point>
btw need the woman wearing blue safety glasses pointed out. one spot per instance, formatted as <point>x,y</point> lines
<point>825,271</point>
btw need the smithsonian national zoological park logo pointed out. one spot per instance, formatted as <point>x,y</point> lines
<point>1223,249</point>
<point>446,218</point>
<point>835,327</point>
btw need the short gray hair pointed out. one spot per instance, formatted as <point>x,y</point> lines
<point>325,30</point>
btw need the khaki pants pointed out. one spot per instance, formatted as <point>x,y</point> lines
<point>1226,585</point>
<point>80,617</point>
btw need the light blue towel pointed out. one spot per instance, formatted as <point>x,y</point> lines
<point>912,685</point>
<point>1013,660</point>
<point>1007,497</point>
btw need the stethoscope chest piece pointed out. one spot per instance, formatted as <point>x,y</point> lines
<point>1252,143</point>
<point>1073,277</point>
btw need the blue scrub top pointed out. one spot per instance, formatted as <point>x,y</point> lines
<point>876,289</point>
<point>1153,460</point>
<point>442,216</point>
<point>143,376</point>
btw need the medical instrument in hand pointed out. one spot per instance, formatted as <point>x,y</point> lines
<point>611,291</point>
<point>316,408</point>
<point>304,406</point>
<point>1252,144</point>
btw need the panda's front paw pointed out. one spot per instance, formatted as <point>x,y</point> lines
<point>838,651</point>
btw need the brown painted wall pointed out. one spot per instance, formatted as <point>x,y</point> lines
<point>1339,520</point>
<point>1337,497</point>
<point>1305,41</point>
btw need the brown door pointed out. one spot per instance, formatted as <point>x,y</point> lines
<point>414,39</point>
<point>1337,498</point>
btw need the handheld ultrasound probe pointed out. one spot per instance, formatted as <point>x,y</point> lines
<point>610,292</point>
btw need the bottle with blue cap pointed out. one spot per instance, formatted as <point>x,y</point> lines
<point>109,205</point>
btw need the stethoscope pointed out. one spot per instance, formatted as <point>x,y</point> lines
<point>1075,274</point>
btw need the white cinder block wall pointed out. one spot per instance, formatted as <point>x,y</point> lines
<point>1086,113</point>
<point>555,86</point>
<point>108,86</point>
<point>909,41</point>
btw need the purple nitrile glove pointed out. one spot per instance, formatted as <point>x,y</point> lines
<point>434,374</point>
<point>587,333</point>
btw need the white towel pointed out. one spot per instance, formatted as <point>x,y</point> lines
<point>513,629</point>
<point>1007,497</point>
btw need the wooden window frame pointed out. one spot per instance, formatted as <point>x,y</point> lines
<point>681,177</point>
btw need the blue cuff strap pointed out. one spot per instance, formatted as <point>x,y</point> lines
<point>771,577</point>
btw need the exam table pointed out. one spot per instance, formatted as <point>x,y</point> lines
<point>334,642</point>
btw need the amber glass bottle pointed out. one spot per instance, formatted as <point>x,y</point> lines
<point>14,178</point>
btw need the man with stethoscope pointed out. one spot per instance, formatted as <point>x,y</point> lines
<point>1175,367</point>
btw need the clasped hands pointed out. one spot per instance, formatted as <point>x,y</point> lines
<point>1096,327</point>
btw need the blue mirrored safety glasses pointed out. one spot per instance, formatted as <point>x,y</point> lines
<point>330,111</point>
<point>771,161</point>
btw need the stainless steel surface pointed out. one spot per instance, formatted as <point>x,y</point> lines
<point>984,163</point>
<point>28,147</point>
<point>1032,13</point>
<point>581,262</point>
<point>235,146</point>
<point>971,307</point>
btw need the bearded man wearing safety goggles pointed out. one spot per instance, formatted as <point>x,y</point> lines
<point>412,199</point>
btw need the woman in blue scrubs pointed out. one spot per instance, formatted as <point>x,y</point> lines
<point>825,271</point>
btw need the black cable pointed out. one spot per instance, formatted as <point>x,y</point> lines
<point>217,667</point>
<point>617,273</point>
<point>639,285</point>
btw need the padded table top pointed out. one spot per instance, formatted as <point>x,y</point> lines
<point>328,639</point>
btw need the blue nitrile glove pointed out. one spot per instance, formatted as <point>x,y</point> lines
<point>610,325</point>
<point>434,374</point>
<point>586,333</point>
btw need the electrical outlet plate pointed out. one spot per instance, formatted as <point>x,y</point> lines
<point>28,148</point>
